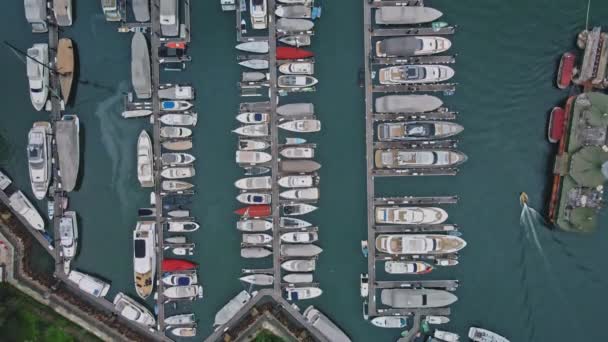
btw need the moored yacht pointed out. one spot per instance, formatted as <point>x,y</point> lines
<point>410,215</point>
<point>132,310</point>
<point>408,74</point>
<point>231,308</point>
<point>417,130</point>
<point>144,257</point>
<point>68,233</point>
<point>416,298</point>
<point>296,81</point>
<point>419,244</point>
<point>407,267</point>
<point>141,10</point>
<point>169,18</point>
<point>26,210</point>
<point>300,293</point>
<point>484,335</point>
<point>258,10</point>
<point>411,46</point>
<point>38,74</point>
<point>405,15</point>
<point>301,126</point>
<point>141,77</point>
<point>89,284</point>
<point>252,157</point>
<point>297,68</point>
<point>145,160</point>
<point>395,159</point>
<point>39,157</point>
<point>325,326</point>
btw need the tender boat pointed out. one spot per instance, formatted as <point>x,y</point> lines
<point>483,335</point>
<point>405,15</point>
<point>177,158</point>
<point>416,298</point>
<point>410,215</point>
<point>89,284</point>
<point>145,160</point>
<point>254,47</point>
<point>296,81</point>
<point>38,74</point>
<point>179,119</point>
<point>419,244</point>
<point>175,185</point>
<point>183,319</point>
<point>298,152</point>
<point>407,267</point>
<point>296,209</point>
<point>299,265</point>
<point>296,109</point>
<point>180,279</point>
<point>297,68</point>
<point>255,252</point>
<point>557,121</point>
<point>364,285</point>
<point>65,66</point>
<point>287,52</point>
<point>177,144</point>
<point>299,166</point>
<point>254,198</point>
<point>231,308</point>
<point>256,170</point>
<point>566,70</point>
<point>184,331</point>
<point>325,326</point>
<point>252,145</point>
<point>410,74</point>
<point>254,76</point>
<point>436,319</point>
<point>390,321</point>
<point>254,211</point>
<point>175,132</point>
<point>300,237</point>
<point>294,12</point>
<point>254,183</point>
<point>132,310</point>
<point>144,257</point>
<point>169,18</point>
<point>253,118</point>
<point>300,293</point>
<point>405,159</point>
<point>260,130</point>
<point>258,279</point>
<point>256,239</point>
<point>294,25</point>
<point>141,10</point>
<point>136,113</point>
<point>175,105</point>
<point>411,46</point>
<point>296,40</point>
<point>178,172</point>
<point>407,103</point>
<point>303,250</point>
<point>252,157</point>
<point>253,225</point>
<point>417,130</point>
<point>184,292</point>
<point>298,278</point>
<point>39,156</point>
<point>141,76</point>
<point>258,12</point>
<point>176,92</point>
<point>182,226</point>
<point>173,265</point>
<point>301,126</point>
<point>292,223</point>
<point>308,194</point>
<point>446,336</point>
<point>298,181</point>
<point>68,233</point>
<point>255,64</point>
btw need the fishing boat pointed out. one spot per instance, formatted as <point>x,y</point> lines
<point>256,170</point>
<point>300,237</point>
<point>296,209</point>
<point>178,172</point>
<point>256,239</point>
<point>179,119</point>
<point>176,92</point>
<point>419,244</point>
<point>301,126</point>
<point>255,64</point>
<point>299,265</point>
<point>38,74</point>
<point>298,278</point>
<point>175,105</point>
<point>253,76</point>
<point>417,130</point>
<point>141,76</point>
<point>180,279</point>
<point>303,250</point>
<point>557,120</point>
<point>182,226</point>
<point>258,279</point>
<point>136,113</point>
<point>299,166</point>
<point>364,285</point>
<point>484,335</point>
<point>324,325</point>
<point>390,321</point>
<point>184,292</point>
<point>177,145</point>
<point>294,12</point>
<point>298,181</point>
<point>253,118</point>
<point>296,40</point>
<point>254,183</point>
<point>254,198</point>
<point>175,132</point>
<point>254,211</point>
<point>169,18</point>
<point>416,298</point>
<point>437,320</point>
<point>182,319</point>
<point>254,47</point>
<point>89,284</point>
<point>404,159</point>
<point>258,11</point>
<point>298,152</point>
<point>141,10</point>
<point>255,252</point>
<point>65,66</point>
<point>413,74</point>
<point>407,267</point>
<point>297,68</point>
<point>68,235</point>
<point>412,46</point>
<point>177,158</point>
<point>407,103</point>
<point>145,160</point>
<point>292,223</point>
<point>566,70</point>
<point>406,15</point>
<point>260,130</point>
<point>307,194</point>
<point>300,293</point>
<point>294,25</point>
<point>252,157</point>
<point>296,109</point>
<point>39,157</point>
<point>132,310</point>
<point>252,145</point>
<point>446,336</point>
<point>287,52</point>
<point>253,225</point>
<point>410,215</point>
<point>174,265</point>
<point>144,257</point>
<point>184,331</point>
<point>231,308</point>
<point>296,81</point>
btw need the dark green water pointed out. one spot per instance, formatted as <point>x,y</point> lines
<point>508,52</point>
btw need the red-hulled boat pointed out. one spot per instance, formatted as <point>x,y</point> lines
<point>556,124</point>
<point>285,52</point>
<point>566,68</point>
<point>172,265</point>
<point>176,45</point>
<point>255,211</point>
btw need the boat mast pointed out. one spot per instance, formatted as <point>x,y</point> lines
<point>587,19</point>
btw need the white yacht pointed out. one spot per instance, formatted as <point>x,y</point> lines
<point>410,215</point>
<point>297,68</point>
<point>300,293</point>
<point>301,126</point>
<point>252,157</point>
<point>484,335</point>
<point>322,323</point>
<point>144,257</point>
<point>39,157</point>
<point>132,310</point>
<point>258,10</point>
<point>68,232</point>
<point>298,181</point>
<point>38,74</point>
<point>408,74</point>
<point>26,210</point>
<point>390,321</point>
<point>231,308</point>
<point>145,160</point>
<point>254,183</point>
<point>89,284</point>
<point>184,292</point>
<point>411,46</point>
<point>259,130</point>
<point>405,159</point>
<point>419,243</point>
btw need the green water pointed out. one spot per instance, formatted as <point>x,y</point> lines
<point>507,55</point>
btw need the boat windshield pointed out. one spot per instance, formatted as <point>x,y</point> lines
<point>140,248</point>
<point>257,116</point>
<point>419,130</point>
<point>34,154</point>
<point>414,73</point>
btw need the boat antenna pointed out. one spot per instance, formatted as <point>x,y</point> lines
<point>587,19</point>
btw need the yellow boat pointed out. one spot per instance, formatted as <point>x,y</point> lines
<point>523,198</point>
<point>65,66</point>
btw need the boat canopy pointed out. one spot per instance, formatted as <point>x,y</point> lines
<point>402,46</point>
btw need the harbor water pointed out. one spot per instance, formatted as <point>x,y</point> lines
<point>508,51</point>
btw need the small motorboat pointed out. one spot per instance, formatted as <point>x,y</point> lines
<point>407,267</point>
<point>296,209</point>
<point>253,225</point>
<point>255,64</point>
<point>175,132</point>
<point>364,285</point>
<point>399,322</point>
<point>299,265</point>
<point>252,145</point>
<point>89,284</point>
<point>178,172</point>
<point>184,331</point>
<point>174,265</point>
<point>256,239</point>
<point>414,74</point>
<point>176,185</point>
<point>308,194</point>
<point>136,113</point>
<point>256,170</point>
<point>295,141</point>
<point>254,183</point>
<point>179,119</point>
<point>566,70</point>
<point>183,319</point>
<point>255,252</point>
<point>39,157</point>
<point>301,126</point>
<point>184,292</point>
<point>298,181</point>
<point>254,211</point>
<point>259,13</point>
<point>407,159</point>
<point>180,279</point>
<point>297,68</point>
<point>259,130</point>
<point>258,279</point>
<point>144,257</point>
<point>557,122</point>
<point>298,278</point>
<point>254,76</point>
<point>296,40</point>
<point>300,293</point>
<point>296,81</point>
<point>176,92</point>
<point>484,335</point>
<point>177,158</point>
<point>38,74</point>
<point>254,198</point>
<point>254,47</point>
<point>176,240</point>
<point>300,237</point>
<point>417,244</point>
<point>287,52</point>
<point>252,157</point>
<point>68,233</point>
<point>177,144</point>
<point>175,105</point>
<point>293,223</point>
<point>446,336</point>
<point>294,12</point>
<point>300,250</point>
<point>298,152</point>
<point>294,25</point>
<point>253,118</point>
<point>437,320</point>
<point>132,310</point>
<point>182,226</point>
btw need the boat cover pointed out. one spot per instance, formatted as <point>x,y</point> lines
<point>401,46</point>
<point>407,103</point>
